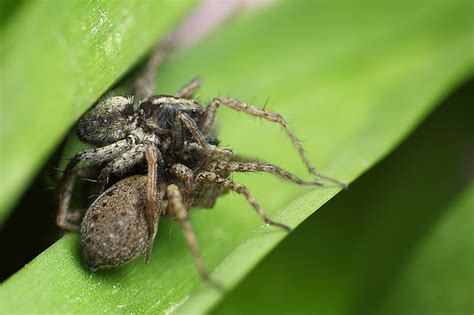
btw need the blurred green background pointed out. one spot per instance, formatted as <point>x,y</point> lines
<point>354,79</point>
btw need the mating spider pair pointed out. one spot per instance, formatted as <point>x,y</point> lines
<point>174,138</point>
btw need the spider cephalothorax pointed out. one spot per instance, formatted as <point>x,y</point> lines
<point>159,112</point>
<point>117,117</point>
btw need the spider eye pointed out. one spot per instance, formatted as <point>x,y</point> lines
<point>195,114</point>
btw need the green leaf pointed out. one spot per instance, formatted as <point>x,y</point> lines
<point>57,58</point>
<point>353,79</point>
<point>400,241</point>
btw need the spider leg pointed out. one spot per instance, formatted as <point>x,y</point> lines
<point>93,157</point>
<point>177,139</point>
<point>204,196</point>
<point>122,163</point>
<point>235,166</point>
<point>153,155</point>
<point>177,209</point>
<point>190,88</point>
<point>68,219</point>
<point>201,144</point>
<point>178,144</point>
<point>144,85</point>
<point>223,153</point>
<point>186,175</point>
<point>213,178</point>
<point>190,124</point>
<point>245,159</point>
<point>207,123</point>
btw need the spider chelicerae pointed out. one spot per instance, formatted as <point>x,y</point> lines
<point>173,137</point>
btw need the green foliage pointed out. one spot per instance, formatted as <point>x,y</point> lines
<point>353,80</point>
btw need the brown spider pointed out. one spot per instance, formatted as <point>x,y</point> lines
<point>174,136</point>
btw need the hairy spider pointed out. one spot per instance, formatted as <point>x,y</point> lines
<point>174,136</point>
<point>114,230</point>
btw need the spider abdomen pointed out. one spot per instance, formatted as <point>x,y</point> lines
<point>114,230</point>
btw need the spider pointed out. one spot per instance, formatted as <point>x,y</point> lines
<point>174,137</point>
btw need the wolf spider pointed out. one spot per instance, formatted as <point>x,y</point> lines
<point>174,137</point>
